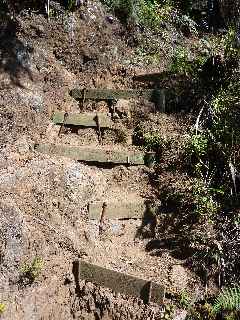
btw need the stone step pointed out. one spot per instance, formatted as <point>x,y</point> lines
<point>83,119</point>
<point>95,155</point>
<point>119,282</point>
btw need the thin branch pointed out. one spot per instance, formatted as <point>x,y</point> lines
<point>198,119</point>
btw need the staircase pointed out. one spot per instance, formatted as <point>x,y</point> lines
<point>129,207</point>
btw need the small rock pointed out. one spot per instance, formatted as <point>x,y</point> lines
<point>92,232</point>
<point>180,314</point>
<point>69,278</point>
<point>91,304</point>
<point>122,108</point>
<point>22,146</point>
<point>117,229</point>
<point>39,29</point>
<point>110,19</point>
<point>179,277</point>
<point>36,102</point>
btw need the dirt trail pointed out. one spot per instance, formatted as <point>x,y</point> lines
<point>122,245</point>
<point>44,198</point>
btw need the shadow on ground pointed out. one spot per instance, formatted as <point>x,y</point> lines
<point>148,225</point>
<point>14,54</point>
<point>166,232</point>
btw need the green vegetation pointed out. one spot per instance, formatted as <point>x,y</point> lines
<point>206,202</point>
<point>148,13</point>
<point>184,63</point>
<point>225,306</point>
<point>2,308</point>
<point>198,145</point>
<point>154,14</point>
<point>201,312</point>
<point>151,13</point>
<point>184,299</point>
<point>181,63</point>
<point>205,205</point>
<point>168,312</point>
<point>30,272</point>
<point>150,141</point>
<point>228,300</point>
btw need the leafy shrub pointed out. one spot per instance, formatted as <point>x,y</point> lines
<point>30,272</point>
<point>201,311</point>
<point>228,300</point>
<point>198,145</point>
<point>2,308</point>
<point>150,141</point>
<point>183,63</point>
<point>230,43</point>
<point>226,115</point>
<point>205,205</point>
<point>226,306</point>
<point>186,24</point>
<point>148,13</point>
<point>184,299</point>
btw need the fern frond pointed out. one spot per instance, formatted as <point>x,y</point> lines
<point>228,300</point>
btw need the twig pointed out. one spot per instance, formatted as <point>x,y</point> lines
<point>84,97</point>
<point>47,8</point>
<point>101,221</point>
<point>63,123</point>
<point>233,174</point>
<point>99,128</point>
<point>198,119</point>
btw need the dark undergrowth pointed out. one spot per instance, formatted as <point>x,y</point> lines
<point>199,220</point>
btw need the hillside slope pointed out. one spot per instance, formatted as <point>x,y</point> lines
<point>44,198</point>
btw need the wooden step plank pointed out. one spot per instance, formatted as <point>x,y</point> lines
<point>83,119</point>
<point>109,94</point>
<point>122,283</point>
<point>120,210</point>
<point>93,155</point>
